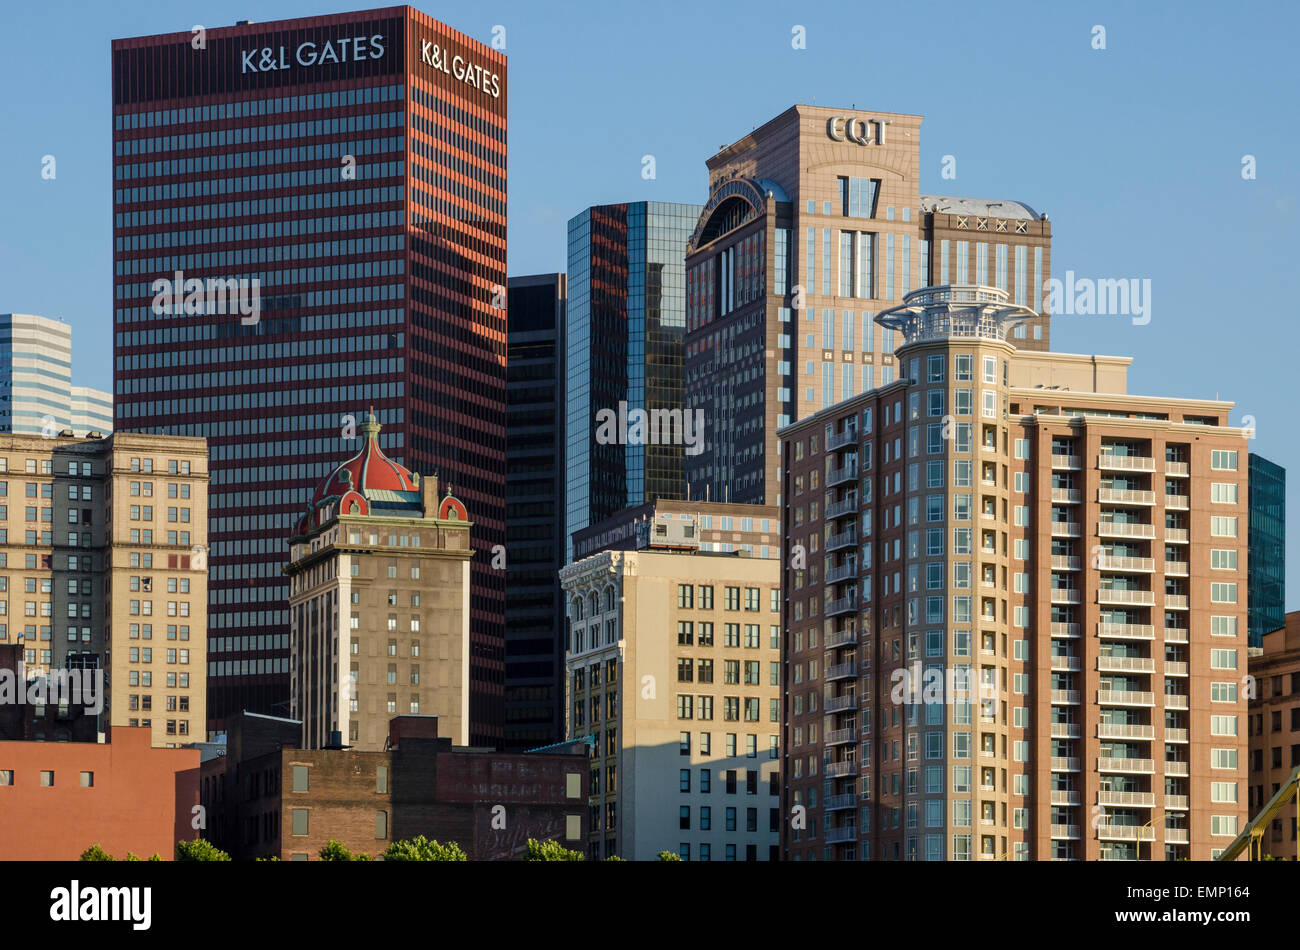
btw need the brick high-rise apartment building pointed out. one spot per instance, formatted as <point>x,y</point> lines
<point>1015,616</point>
<point>1274,732</point>
<point>355,165</point>
<point>105,570</point>
<point>814,223</point>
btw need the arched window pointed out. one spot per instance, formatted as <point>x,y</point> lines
<point>609,597</point>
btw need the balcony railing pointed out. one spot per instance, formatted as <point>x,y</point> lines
<point>1125,529</point>
<point>1062,796</point>
<point>1069,462</point>
<point>1069,496</point>
<point>1065,697</point>
<point>1177,502</point>
<point>844,473</point>
<point>1176,668</point>
<point>839,671</point>
<point>1064,563</point>
<point>1125,496</point>
<point>1177,468</point>
<point>838,439</point>
<point>842,638</point>
<point>1115,595</point>
<point>841,769</point>
<point>1176,602</point>
<point>1176,735</point>
<point>835,802</point>
<point>1106,562</point>
<point>1180,802</point>
<point>1125,697</point>
<point>1065,832</point>
<point>1066,664</point>
<point>1177,535</point>
<point>842,833</point>
<point>841,572</point>
<point>1109,832</point>
<point>1176,836</point>
<point>842,507</point>
<point>1066,595</point>
<point>1176,634</point>
<point>1064,629</point>
<point>839,703</point>
<point>1067,730</point>
<point>1064,763</point>
<point>1107,763</point>
<point>842,605</point>
<point>1126,664</point>
<point>1176,768</point>
<point>1066,529</point>
<point>841,736</point>
<point>1127,631</point>
<point>1125,463</point>
<point>1114,730</point>
<point>1175,701</point>
<point>845,539</point>
<point>1176,568</point>
<point>1127,799</point>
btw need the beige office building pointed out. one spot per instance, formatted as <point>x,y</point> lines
<point>815,223</point>
<point>379,604</point>
<point>1020,628</point>
<point>673,671</point>
<point>107,569</point>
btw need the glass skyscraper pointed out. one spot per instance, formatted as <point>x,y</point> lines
<point>354,166</point>
<point>624,352</point>
<point>1267,558</point>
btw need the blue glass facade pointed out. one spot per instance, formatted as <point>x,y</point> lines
<point>1267,559</point>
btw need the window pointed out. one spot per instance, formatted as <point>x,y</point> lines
<point>87,779</point>
<point>47,779</point>
<point>1223,460</point>
<point>300,778</point>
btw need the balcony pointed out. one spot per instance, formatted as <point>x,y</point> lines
<point>1176,836</point>
<point>1125,529</point>
<point>1066,595</point>
<point>1176,634</point>
<point>1064,764</point>
<point>844,506</point>
<point>1115,595</point>
<point>1176,568</point>
<point>1125,496</point>
<point>1177,502</point>
<point>1065,629</point>
<point>1066,462</point>
<point>1066,796</point>
<point>1176,735</point>
<point>1176,668</point>
<point>1126,664</point>
<point>839,439</point>
<point>1176,602</point>
<point>842,605</point>
<point>1125,697</point>
<point>1069,496</point>
<point>841,736</point>
<point>1066,529</point>
<point>1107,461</point>
<point>838,476</point>
<point>1127,799</point>
<point>1126,631</point>
<point>842,671</point>
<point>1175,701</point>
<point>1063,563</point>
<point>842,833</point>
<point>845,539</point>
<point>1107,763</point>
<point>842,638</point>
<point>840,703</point>
<point>1109,832</point>
<point>1177,535</point>
<point>1065,697</point>
<point>1066,664</point>
<point>1114,730</point>
<point>1178,469</point>
<point>1141,564</point>
<point>1065,832</point>
<point>1176,768</point>
<point>837,802</point>
<point>841,769</point>
<point>1178,802</point>
<point>1067,730</point>
<point>842,572</point>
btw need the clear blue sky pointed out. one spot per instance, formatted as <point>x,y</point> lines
<point>1134,151</point>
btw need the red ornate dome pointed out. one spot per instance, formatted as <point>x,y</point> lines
<point>368,483</point>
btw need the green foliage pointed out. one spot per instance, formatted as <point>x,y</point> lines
<point>669,856</point>
<point>335,851</point>
<point>614,857</point>
<point>421,848</point>
<point>199,850</point>
<point>550,851</point>
<point>131,856</point>
<point>96,853</point>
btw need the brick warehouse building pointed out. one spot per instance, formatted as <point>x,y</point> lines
<point>268,797</point>
<point>59,798</point>
<point>356,166</point>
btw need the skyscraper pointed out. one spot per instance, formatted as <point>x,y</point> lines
<point>535,537</point>
<point>1267,548</point>
<point>814,223</point>
<point>626,322</point>
<point>1015,615</point>
<point>36,392</point>
<point>328,196</point>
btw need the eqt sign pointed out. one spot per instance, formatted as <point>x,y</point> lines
<point>858,131</point>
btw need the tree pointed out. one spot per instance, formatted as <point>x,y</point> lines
<point>96,853</point>
<point>550,851</point>
<point>669,856</point>
<point>614,857</point>
<point>199,850</point>
<point>421,848</point>
<point>335,851</point>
